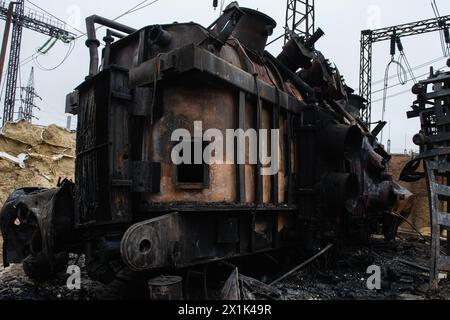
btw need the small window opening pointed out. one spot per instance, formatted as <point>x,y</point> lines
<point>193,176</point>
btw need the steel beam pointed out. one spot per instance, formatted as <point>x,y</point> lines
<point>368,37</point>
<point>300,18</point>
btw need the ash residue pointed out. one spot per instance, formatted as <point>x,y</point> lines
<point>344,279</point>
<point>15,285</point>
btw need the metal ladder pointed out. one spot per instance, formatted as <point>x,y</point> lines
<point>438,193</point>
<point>433,109</point>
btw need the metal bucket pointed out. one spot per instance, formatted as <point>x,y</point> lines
<point>166,288</point>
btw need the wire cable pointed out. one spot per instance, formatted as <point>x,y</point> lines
<point>135,8</point>
<point>404,61</point>
<point>398,84</point>
<point>441,35</point>
<point>63,22</point>
<point>425,64</point>
<point>69,52</point>
<point>402,80</point>
<point>405,91</point>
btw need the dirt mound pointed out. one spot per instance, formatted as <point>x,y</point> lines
<point>34,156</point>
<point>420,216</point>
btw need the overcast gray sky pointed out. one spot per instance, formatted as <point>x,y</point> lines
<point>341,20</point>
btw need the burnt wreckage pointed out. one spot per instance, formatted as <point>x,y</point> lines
<point>432,108</point>
<point>131,205</point>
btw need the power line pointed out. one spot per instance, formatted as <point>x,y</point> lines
<point>69,52</point>
<point>135,8</point>
<point>400,84</point>
<point>415,68</point>
<point>441,35</point>
<point>65,23</point>
<point>405,91</point>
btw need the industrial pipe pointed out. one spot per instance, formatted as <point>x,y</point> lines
<point>302,85</point>
<point>342,141</point>
<point>314,38</point>
<point>6,38</point>
<point>109,39</point>
<point>92,42</point>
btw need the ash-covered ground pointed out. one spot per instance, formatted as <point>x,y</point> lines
<point>345,279</point>
<point>404,276</point>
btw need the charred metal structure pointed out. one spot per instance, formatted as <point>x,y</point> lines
<point>432,107</point>
<point>131,205</point>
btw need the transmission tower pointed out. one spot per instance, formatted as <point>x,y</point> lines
<point>14,61</point>
<point>29,93</point>
<point>32,20</point>
<point>300,18</point>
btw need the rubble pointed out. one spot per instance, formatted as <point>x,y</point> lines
<point>36,156</point>
<point>344,279</point>
<point>347,278</point>
<point>44,155</point>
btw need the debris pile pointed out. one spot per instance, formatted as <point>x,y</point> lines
<point>403,263</point>
<point>404,274</point>
<point>15,285</point>
<point>34,156</point>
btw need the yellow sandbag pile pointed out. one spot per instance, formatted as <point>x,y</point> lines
<point>48,153</point>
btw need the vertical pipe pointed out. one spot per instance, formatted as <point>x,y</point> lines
<point>241,167</point>
<point>259,177</point>
<point>275,126</point>
<point>6,39</point>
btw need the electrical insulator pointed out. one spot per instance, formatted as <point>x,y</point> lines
<point>215,4</point>
<point>393,40</point>
<point>447,36</point>
<point>399,44</point>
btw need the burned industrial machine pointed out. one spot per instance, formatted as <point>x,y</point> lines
<point>132,205</point>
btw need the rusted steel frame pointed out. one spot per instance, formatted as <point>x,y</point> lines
<point>171,234</point>
<point>275,119</point>
<point>443,93</point>
<point>259,178</point>
<point>93,43</point>
<point>409,172</point>
<point>84,152</point>
<point>435,227</point>
<point>192,58</point>
<point>120,103</point>
<point>196,207</point>
<point>288,138</point>
<point>439,78</point>
<point>241,167</point>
